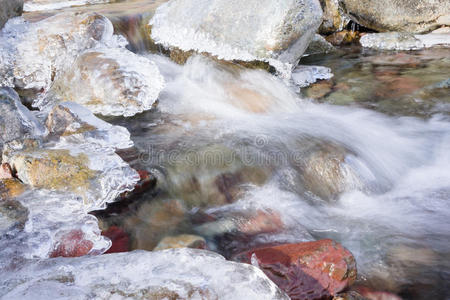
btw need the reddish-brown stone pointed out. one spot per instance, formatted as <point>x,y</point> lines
<point>377,295</point>
<point>310,270</point>
<point>72,244</point>
<point>147,181</point>
<point>261,222</point>
<point>119,239</point>
<point>5,171</point>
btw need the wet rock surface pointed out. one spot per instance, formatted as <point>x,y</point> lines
<point>181,241</point>
<point>313,270</point>
<point>10,9</point>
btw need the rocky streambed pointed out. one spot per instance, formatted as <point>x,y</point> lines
<point>224,149</point>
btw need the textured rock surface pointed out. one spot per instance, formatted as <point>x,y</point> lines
<point>110,82</point>
<point>311,270</point>
<point>277,32</point>
<point>169,274</point>
<point>399,15</point>
<point>333,17</point>
<point>12,215</point>
<point>9,9</point>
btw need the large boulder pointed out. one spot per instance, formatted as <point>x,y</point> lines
<point>310,270</point>
<point>9,9</point>
<point>110,82</point>
<point>277,32</point>
<point>400,15</point>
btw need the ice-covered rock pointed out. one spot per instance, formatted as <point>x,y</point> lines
<point>277,32</point>
<point>32,54</point>
<point>9,9</point>
<point>75,124</point>
<point>97,177</point>
<point>16,121</point>
<point>169,274</point>
<point>109,81</point>
<point>304,76</point>
<point>404,41</point>
<point>38,5</point>
<point>400,15</point>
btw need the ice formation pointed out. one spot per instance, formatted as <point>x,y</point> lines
<point>175,273</point>
<point>33,54</point>
<point>277,32</point>
<point>109,81</point>
<point>38,5</point>
<point>404,41</point>
<point>304,76</point>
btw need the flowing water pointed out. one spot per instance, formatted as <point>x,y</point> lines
<point>244,158</point>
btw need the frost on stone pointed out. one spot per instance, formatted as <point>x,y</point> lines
<point>32,54</point>
<point>403,41</point>
<point>77,125</point>
<point>304,76</point>
<point>51,216</point>
<point>39,5</point>
<point>168,274</point>
<point>109,81</point>
<point>277,31</point>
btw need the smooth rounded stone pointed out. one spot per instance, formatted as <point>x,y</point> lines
<point>327,174</point>
<point>169,274</point>
<point>39,5</point>
<point>73,123</point>
<point>13,215</point>
<point>120,240</point>
<point>16,121</point>
<point>9,9</point>
<point>211,176</point>
<point>72,244</point>
<point>153,220</point>
<point>334,18</point>
<point>404,41</point>
<point>401,15</point>
<point>310,270</point>
<point>111,82</point>
<point>181,241</point>
<point>319,45</point>
<point>33,54</point>
<point>277,32</point>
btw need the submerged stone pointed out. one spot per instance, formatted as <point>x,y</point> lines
<point>13,215</point>
<point>277,32</point>
<point>310,270</point>
<point>110,82</point>
<point>181,241</point>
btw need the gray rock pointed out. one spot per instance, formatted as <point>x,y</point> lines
<point>16,121</point>
<point>13,215</point>
<point>10,9</point>
<point>400,15</point>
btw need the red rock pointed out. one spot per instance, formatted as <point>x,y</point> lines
<point>147,181</point>
<point>72,244</point>
<point>311,270</point>
<point>119,238</point>
<point>261,222</point>
<point>377,295</point>
<point>5,171</point>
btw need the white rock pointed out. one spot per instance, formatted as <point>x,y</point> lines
<point>404,41</point>
<point>275,31</point>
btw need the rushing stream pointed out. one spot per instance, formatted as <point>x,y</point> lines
<point>244,158</point>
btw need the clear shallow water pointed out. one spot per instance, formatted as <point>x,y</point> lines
<point>215,122</point>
